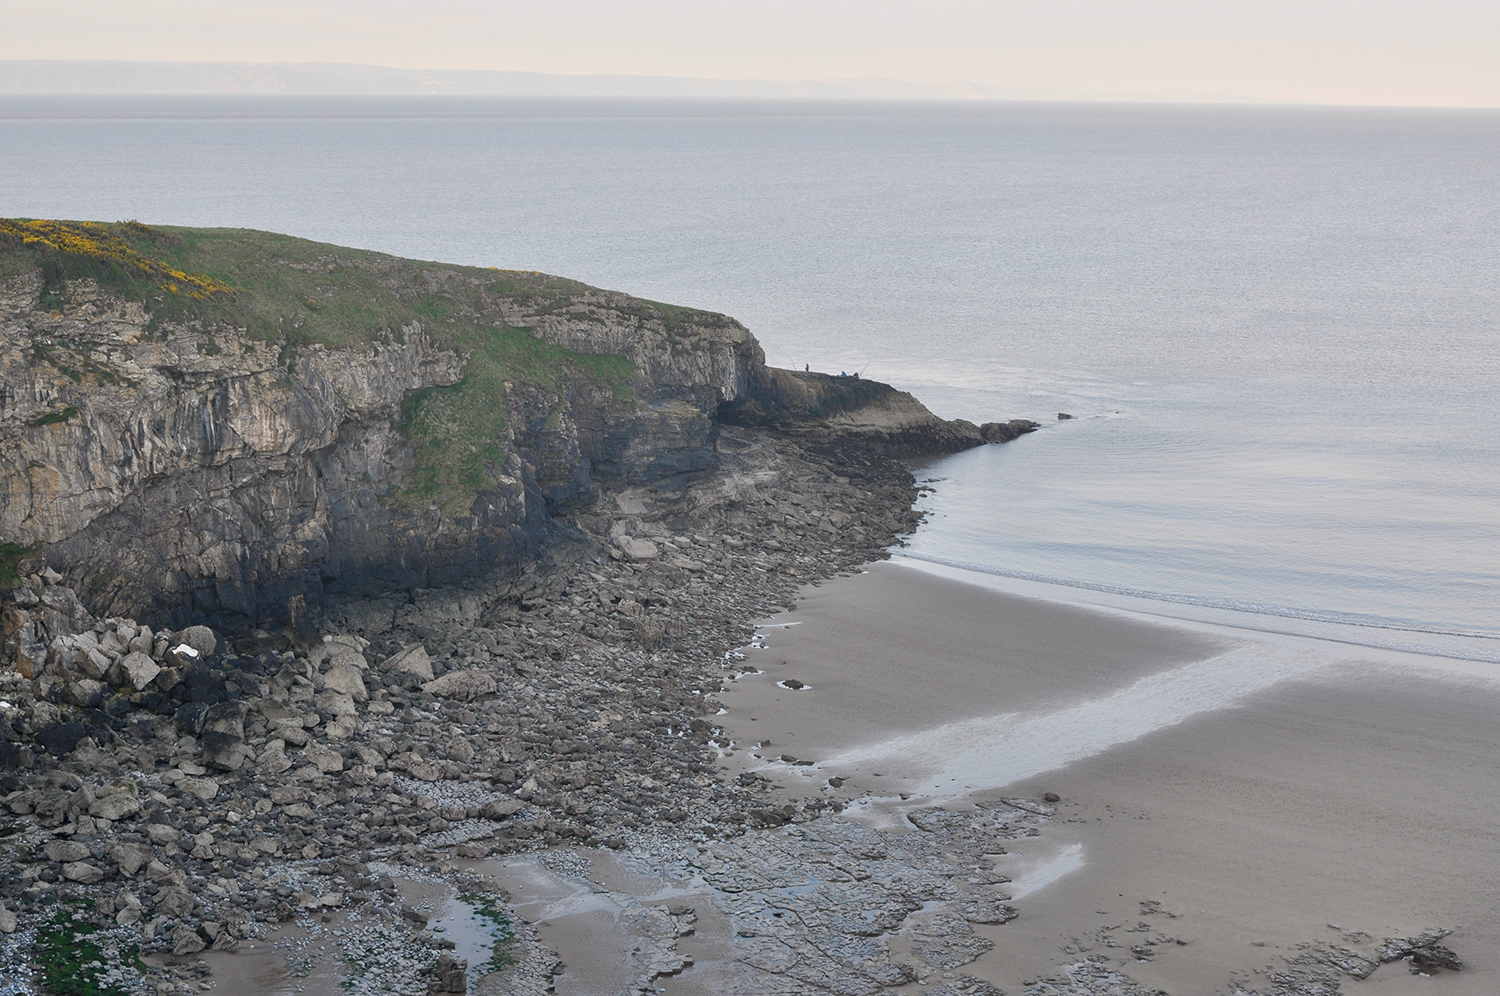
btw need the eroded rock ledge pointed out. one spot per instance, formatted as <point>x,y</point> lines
<point>831,414</point>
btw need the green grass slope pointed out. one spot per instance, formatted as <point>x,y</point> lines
<point>296,293</point>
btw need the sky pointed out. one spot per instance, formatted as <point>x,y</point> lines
<point>1435,52</point>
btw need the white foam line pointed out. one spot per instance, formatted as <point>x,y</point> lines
<point>1230,605</point>
<point>1067,860</point>
<point>993,751</point>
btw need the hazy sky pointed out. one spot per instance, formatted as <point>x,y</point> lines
<point>1444,52</point>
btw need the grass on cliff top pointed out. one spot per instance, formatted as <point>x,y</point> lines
<point>298,293</point>
<point>285,289</point>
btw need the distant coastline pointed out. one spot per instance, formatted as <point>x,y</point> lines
<point>103,76</point>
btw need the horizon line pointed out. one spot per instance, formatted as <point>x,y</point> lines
<point>461,82</point>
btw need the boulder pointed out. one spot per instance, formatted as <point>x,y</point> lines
<point>12,619</point>
<point>346,656</point>
<point>449,975</point>
<point>176,904</point>
<point>85,692</point>
<point>200,638</point>
<point>162,834</point>
<point>82,872</point>
<point>1004,432</point>
<point>143,642</point>
<point>61,738</point>
<point>335,702</point>
<point>31,656</point>
<point>137,670</point>
<point>344,677</point>
<point>94,663</point>
<point>7,920</point>
<point>500,809</point>
<point>186,941</point>
<point>474,849</point>
<point>412,660</point>
<point>130,857</point>
<point>638,549</point>
<point>65,851</point>
<point>202,788</point>
<point>115,807</point>
<point>224,744</point>
<point>462,685</point>
<point>327,761</point>
<point>291,733</point>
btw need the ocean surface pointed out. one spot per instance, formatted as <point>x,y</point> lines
<point>1277,329</point>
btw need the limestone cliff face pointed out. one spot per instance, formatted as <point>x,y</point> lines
<point>198,424</point>
<point>186,470</point>
<point>684,370</point>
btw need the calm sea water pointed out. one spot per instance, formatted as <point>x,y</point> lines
<point>1279,329</point>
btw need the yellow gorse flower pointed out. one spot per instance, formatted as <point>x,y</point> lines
<point>94,241</point>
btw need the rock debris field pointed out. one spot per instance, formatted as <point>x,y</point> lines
<point>173,799</point>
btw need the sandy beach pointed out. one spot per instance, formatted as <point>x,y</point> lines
<point>1241,800</point>
<point>1028,797</point>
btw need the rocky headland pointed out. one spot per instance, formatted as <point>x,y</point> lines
<point>317,559</point>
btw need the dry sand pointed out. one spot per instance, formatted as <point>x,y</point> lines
<point>1266,792</point>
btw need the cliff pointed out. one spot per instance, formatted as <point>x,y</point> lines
<point>199,423</point>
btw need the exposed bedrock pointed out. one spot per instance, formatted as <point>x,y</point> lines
<point>832,413</point>
<point>188,471</point>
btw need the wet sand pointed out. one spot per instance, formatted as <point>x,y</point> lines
<point>1369,804</point>
<point>896,650</point>
<point>1266,793</point>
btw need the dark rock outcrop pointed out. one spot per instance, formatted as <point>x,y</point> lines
<point>831,413</point>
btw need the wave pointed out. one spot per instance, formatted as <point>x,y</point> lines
<point>1268,609</point>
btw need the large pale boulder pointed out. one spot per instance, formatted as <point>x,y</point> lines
<point>130,857</point>
<point>202,788</point>
<point>82,872</point>
<point>200,638</point>
<point>501,809</point>
<point>65,851</point>
<point>462,685</point>
<point>410,660</point>
<point>327,761</point>
<point>115,807</point>
<point>638,549</point>
<point>344,677</point>
<point>136,670</point>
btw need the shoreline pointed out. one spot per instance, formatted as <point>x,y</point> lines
<point>1243,825</point>
<point>656,860</point>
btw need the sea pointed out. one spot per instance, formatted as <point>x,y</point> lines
<point>1275,329</point>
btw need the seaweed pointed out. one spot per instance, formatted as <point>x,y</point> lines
<point>72,963</point>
